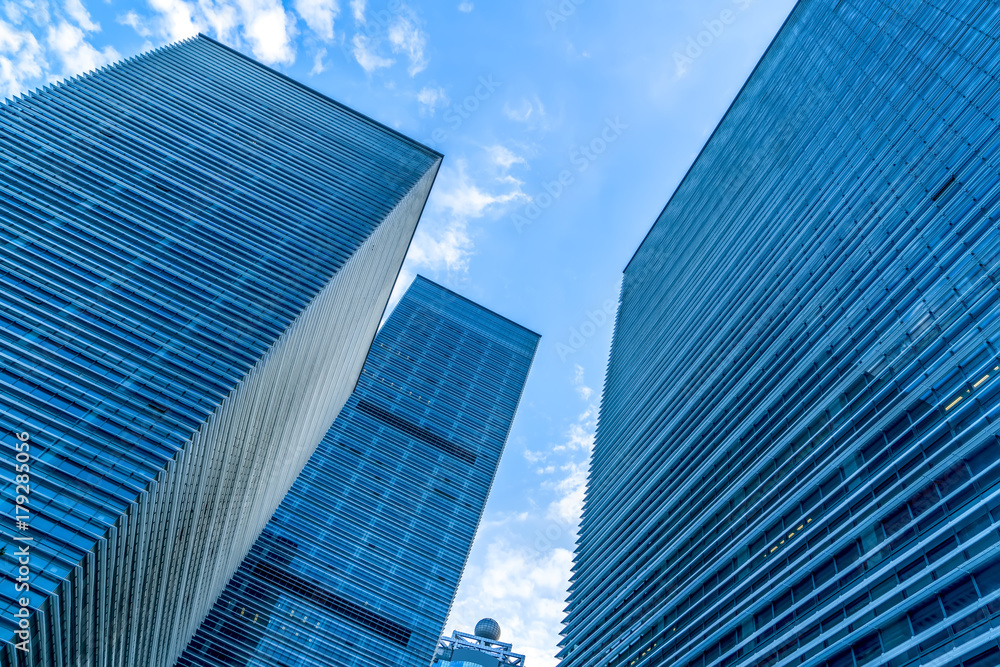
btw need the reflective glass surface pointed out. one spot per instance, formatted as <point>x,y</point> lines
<point>360,563</point>
<point>797,459</point>
<point>163,221</point>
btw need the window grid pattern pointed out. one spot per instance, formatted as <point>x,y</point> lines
<point>176,229</point>
<point>360,563</point>
<point>797,455</point>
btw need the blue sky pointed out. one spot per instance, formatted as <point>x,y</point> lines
<point>565,124</point>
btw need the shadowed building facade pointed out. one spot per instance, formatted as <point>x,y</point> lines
<point>197,252</point>
<point>359,565</point>
<point>797,460</point>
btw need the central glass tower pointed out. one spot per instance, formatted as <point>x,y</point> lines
<point>359,565</point>
<point>797,458</point>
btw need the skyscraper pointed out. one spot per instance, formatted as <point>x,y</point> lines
<point>197,253</point>
<point>359,565</point>
<point>797,458</point>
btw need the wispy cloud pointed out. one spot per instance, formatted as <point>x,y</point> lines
<point>319,15</point>
<point>444,242</point>
<point>465,7</point>
<point>524,111</point>
<point>525,592</point>
<point>530,112</point>
<point>68,44</point>
<point>406,38</point>
<point>461,197</point>
<point>358,10</point>
<point>579,443</point>
<point>431,99</point>
<point>22,60</point>
<point>81,16</point>
<point>175,19</point>
<point>318,66</point>
<point>132,19</point>
<point>367,57</point>
<point>504,157</point>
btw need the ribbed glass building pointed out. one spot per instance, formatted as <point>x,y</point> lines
<point>359,565</point>
<point>797,458</point>
<point>197,252</point>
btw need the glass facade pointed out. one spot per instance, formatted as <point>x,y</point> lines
<point>360,563</point>
<point>797,459</point>
<point>196,254</point>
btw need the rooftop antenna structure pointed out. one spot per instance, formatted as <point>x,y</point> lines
<point>481,649</point>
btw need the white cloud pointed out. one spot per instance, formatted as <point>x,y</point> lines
<point>459,195</point>
<point>319,15</point>
<point>366,56</point>
<point>572,489</point>
<point>504,157</point>
<point>442,247</point>
<point>358,10</point>
<point>136,22</point>
<point>76,53</point>
<point>530,112</point>
<point>465,7</point>
<point>318,66</point>
<point>176,19</point>
<point>580,436</point>
<point>270,29</point>
<point>443,242</point>
<point>580,383</point>
<point>406,38</point>
<point>525,591</point>
<point>533,457</point>
<point>22,60</point>
<point>265,27</point>
<point>38,11</point>
<point>13,12</point>
<point>44,41</point>
<point>431,99</point>
<point>79,13</point>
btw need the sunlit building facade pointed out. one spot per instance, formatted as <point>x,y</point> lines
<point>797,458</point>
<point>197,252</point>
<point>359,565</point>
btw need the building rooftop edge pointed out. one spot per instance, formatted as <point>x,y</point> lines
<point>477,305</point>
<point>312,90</point>
<point>708,141</point>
